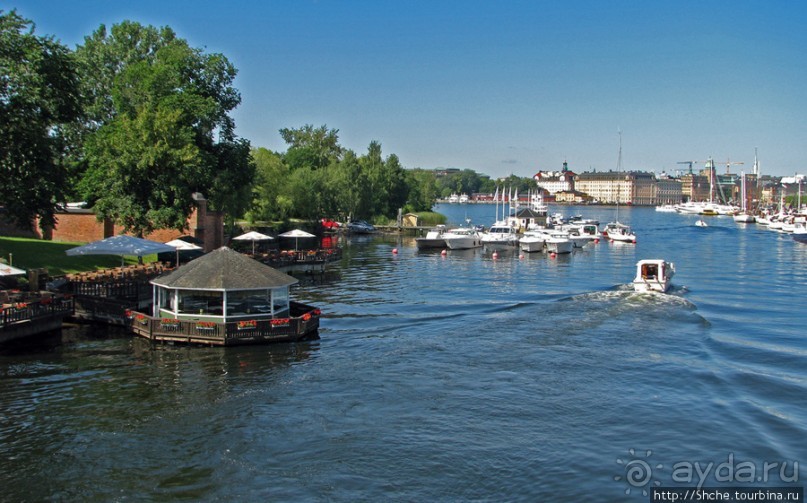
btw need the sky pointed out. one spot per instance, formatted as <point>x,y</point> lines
<point>502,87</point>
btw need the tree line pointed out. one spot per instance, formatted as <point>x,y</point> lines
<point>135,120</point>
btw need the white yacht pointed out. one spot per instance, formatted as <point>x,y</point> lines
<point>533,241</point>
<point>653,275</point>
<point>576,234</point>
<point>617,231</point>
<point>558,241</point>
<point>462,238</point>
<point>500,233</point>
<point>433,239</point>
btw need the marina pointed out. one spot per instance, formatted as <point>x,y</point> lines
<point>424,361</point>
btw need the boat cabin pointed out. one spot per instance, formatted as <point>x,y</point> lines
<point>653,275</point>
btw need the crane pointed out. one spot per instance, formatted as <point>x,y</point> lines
<point>729,164</point>
<point>690,164</point>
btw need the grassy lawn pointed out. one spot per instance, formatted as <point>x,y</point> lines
<point>35,253</point>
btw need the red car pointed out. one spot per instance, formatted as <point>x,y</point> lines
<point>330,224</point>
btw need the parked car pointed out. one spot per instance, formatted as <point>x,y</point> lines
<point>329,224</point>
<point>360,227</point>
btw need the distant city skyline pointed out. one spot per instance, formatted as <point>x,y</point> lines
<point>502,87</point>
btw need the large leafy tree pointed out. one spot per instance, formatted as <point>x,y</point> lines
<point>270,171</point>
<point>38,96</point>
<point>311,147</point>
<point>158,129</point>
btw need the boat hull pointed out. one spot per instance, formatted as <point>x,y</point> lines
<point>531,245</point>
<point>427,243</point>
<point>463,243</point>
<point>559,246</point>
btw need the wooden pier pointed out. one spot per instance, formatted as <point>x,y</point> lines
<point>30,317</point>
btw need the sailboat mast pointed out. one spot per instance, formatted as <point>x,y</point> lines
<point>618,173</point>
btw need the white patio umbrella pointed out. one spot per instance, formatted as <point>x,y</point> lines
<point>181,245</point>
<point>10,270</point>
<point>120,245</point>
<point>253,236</point>
<point>296,234</point>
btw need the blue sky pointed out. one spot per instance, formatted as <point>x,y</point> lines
<point>502,87</point>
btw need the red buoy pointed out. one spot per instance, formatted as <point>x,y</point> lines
<point>495,255</point>
<point>395,251</point>
<point>443,253</point>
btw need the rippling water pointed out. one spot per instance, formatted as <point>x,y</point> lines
<point>454,377</point>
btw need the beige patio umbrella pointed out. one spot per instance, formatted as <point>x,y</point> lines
<point>253,236</point>
<point>297,234</point>
<point>10,270</point>
<point>181,245</point>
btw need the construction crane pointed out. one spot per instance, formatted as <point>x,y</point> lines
<point>729,164</point>
<point>690,164</point>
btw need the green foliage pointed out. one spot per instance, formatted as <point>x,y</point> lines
<point>158,129</point>
<point>317,178</point>
<point>38,96</point>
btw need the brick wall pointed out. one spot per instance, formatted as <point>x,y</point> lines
<point>82,226</point>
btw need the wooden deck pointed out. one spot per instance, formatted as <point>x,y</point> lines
<point>26,319</point>
<point>303,323</point>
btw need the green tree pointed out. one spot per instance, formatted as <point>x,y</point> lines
<point>270,175</point>
<point>423,190</point>
<point>158,129</point>
<point>38,97</point>
<point>310,147</point>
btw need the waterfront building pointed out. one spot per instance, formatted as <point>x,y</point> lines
<point>610,187</point>
<point>225,298</point>
<point>695,187</point>
<point>556,181</point>
<point>668,189</point>
<point>571,196</point>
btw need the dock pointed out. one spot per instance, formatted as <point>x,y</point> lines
<point>32,314</point>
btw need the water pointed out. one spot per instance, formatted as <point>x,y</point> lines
<point>449,378</point>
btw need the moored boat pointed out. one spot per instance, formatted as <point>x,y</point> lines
<point>462,238</point>
<point>558,242</point>
<point>532,241</point>
<point>617,231</point>
<point>501,234</point>
<point>653,275</point>
<point>433,238</point>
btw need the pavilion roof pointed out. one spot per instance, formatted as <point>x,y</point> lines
<point>225,269</point>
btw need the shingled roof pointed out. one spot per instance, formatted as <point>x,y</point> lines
<point>224,269</point>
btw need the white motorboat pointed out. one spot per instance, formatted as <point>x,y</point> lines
<point>557,241</point>
<point>462,238</point>
<point>578,237</point>
<point>532,241</point>
<point>500,233</point>
<point>433,238</point>
<point>666,208</point>
<point>617,231</point>
<point>653,275</point>
<point>800,232</point>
